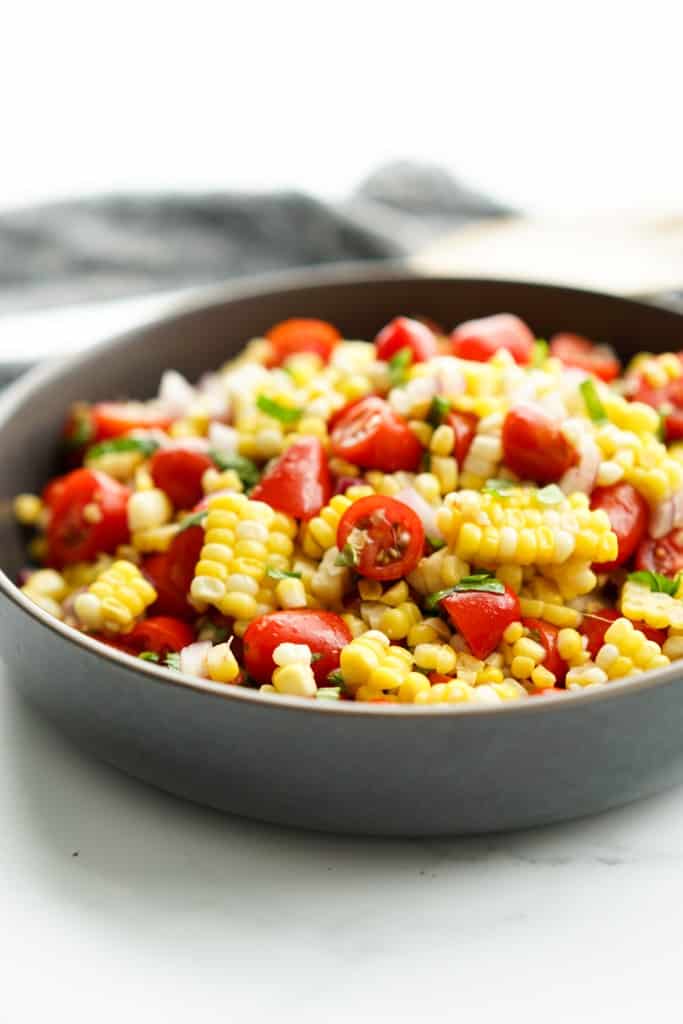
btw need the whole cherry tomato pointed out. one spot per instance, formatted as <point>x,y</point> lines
<point>290,337</point>
<point>179,472</point>
<point>386,536</point>
<point>628,514</point>
<point>111,419</point>
<point>87,517</point>
<point>160,634</point>
<point>299,482</point>
<point>464,425</point>
<point>323,632</point>
<point>172,571</point>
<point>547,636</point>
<point>405,333</point>
<point>371,435</point>
<point>664,555</point>
<point>481,339</point>
<point>482,617</point>
<point>575,350</point>
<point>596,624</point>
<point>534,446</point>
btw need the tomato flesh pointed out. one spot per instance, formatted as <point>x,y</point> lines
<point>628,514</point>
<point>160,634</point>
<point>179,472</point>
<point>387,536</point>
<point>534,446</point>
<point>596,624</point>
<point>172,571</point>
<point>670,398</point>
<point>299,482</point>
<point>291,337</point>
<point>464,426</point>
<point>402,333</point>
<point>325,633</point>
<point>663,555</point>
<point>112,419</point>
<point>87,516</point>
<point>575,350</point>
<point>480,339</point>
<point>371,435</point>
<point>547,637</point>
<point>482,617</point>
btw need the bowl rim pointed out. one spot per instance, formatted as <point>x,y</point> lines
<point>253,286</point>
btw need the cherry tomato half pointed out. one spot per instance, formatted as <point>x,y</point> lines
<point>172,571</point>
<point>628,514</point>
<point>464,425</point>
<point>405,333</point>
<point>596,624</point>
<point>299,482</point>
<point>179,472</point>
<point>301,335</point>
<point>324,632</point>
<point>161,634</point>
<point>664,555</point>
<point>370,434</point>
<point>534,446</point>
<point>386,535</point>
<point>111,419</point>
<point>482,617</point>
<point>575,350</point>
<point>87,516</point>
<point>547,636</point>
<point>669,397</point>
<point>481,339</point>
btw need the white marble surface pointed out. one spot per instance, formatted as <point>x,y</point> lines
<point>121,903</point>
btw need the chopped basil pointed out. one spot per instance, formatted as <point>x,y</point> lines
<point>329,693</point>
<point>438,410</point>
<point>335,678</point>
<point>149,656</point>
<point>80,427</point>
<point>144,445</point>
<point>246,470</point>
<point>436,543</point>
<point>283,413</point>
<point>282,574</point>
<point>550,495</point>
<point>172,660</point>
<point>594,406</point>
<point>220,634</point>
<point>499,486</point>
<point>540,353</point>
<point>348,556</point>
<point>657,583</point>
<point>398,364</point>
<point>197,519</point>
<point>426,462</point>
<point>482,581</point>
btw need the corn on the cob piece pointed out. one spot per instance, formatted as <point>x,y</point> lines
<point>626,650</point>
<point>371,661</point>
<point>116,599</point>
<point>639,603</point>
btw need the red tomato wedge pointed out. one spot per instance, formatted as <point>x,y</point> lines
<point>386,536</point>
<point>480,339</point>
<point>290,337</point>
<point>596,624</point>
<point>179,472</point>
<point>171,573</point>
<point>160,634</point>
<point>482,617</point>
<point>534,446</point>
<point>324,632</point>
<point>371,435</point>
<point>464,425</point>
<point>628,514</point>
<point>664,555</point>
<point>111,419</point>
<point>299,482</point>
<point>405,333</point>
<point>575,350</point>
<point>87,516</point>
<point>547,634</point>
<point>668,400</point>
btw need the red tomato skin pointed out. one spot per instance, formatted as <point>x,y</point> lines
<point>112,419</point>
<point>480,339</point>
<point>534,446</point>
<point>464,425</point>
<point>371,435</point>
<point>671,394</point>
<point>398,514</point>
<point>161,634</point>
<point>482,617</point>
<point>324,632</point>
<point>290,337</point>
<point>548,638</point>
<point>299,482</point>
<point>575,350</point>
<point>69,537</point>
<point>664,555</point>
<point>402,332</point>
<point>171,573</point>
<point>179,472</point>
<point>594,628</point>
<point>628,514</point>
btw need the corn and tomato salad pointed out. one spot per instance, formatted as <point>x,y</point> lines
<point>427,518</point>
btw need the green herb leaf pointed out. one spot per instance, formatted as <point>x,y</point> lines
<point>398,365</point>
<point>148,656</point>
<point>550,495</point>
<point>172,660</point>
<point>246,470</point>
<point>80,427</point>
<point>196,519</point>
<point>500,487</point>
<point>436,543</point>
<point>144,445</point>
<point>347,556</point>
<point>283,413</point>
<point>328,693</point>
<point>591,398</point>
<point>335,678</point>
<point>656,583</point>
<point>540,353</point>
<point>482,581</point>
<point>438,410</point>
<point>425,462</point>
<point>282,574</point>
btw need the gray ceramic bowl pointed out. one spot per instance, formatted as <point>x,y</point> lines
<point>371,769</point>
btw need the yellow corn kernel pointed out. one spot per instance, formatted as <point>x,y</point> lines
<point>413,684</point>
<point>542,678</point>
<point>435,658</point>
<point>48,604</point>
<point>522,666</point>
<point>658,610</point>
<point>295,679</point>
<point>525,647</point>
<point>442,440</point>
<point>290,593</point>
<point>423,431</point>
<point>118,596</point>
<point>221,664</point>
<point>28,509</point>
<point>369,590</point>
<point>513,632</point>
<point>397,622</point>
<point>148,509</point>
<point>226,480</point>
<point>398,594</point>
<point>570,647</point>
<point>445,469</point>
<point>46,583</point>
<point>427,485</point>
<point>157,538</point>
